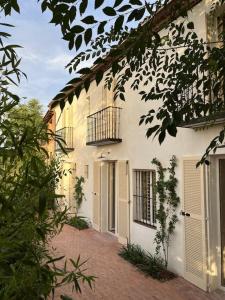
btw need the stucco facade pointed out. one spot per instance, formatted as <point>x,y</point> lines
<point>137,152</point>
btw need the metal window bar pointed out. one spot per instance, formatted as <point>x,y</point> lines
<point>144,197</point>
<point>104,125</point>
<point>66,134</point>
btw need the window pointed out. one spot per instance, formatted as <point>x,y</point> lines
<point>144,197</point>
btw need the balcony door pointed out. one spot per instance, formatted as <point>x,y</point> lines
<point>222,217</point>
<point>111,205</point>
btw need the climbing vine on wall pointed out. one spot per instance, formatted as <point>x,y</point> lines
<point>166,214</point>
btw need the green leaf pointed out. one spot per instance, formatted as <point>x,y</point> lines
<point>172,130</point>
<point>88,36</point>
<point>151,130</point>
<point>101,27</point>
<point>87,84</point>
<point>99,77</point>
<point>62,104</point>
<point>190,25</point>
<point>70,98</point>
<point>98,3</point>
<point>44,6</point>
<point>124,8</point>
<point>77,29</point>
<point>119,23</point>
<point>78,91</point>
<point>83,6</point>
<point>15,6</point>
<point>149,8</point>
<point>162,136</point>
<point>132,15</point>
<point>140,14</point>
<point>78,42</point>
<point>122,97</point>
<point>117,3</point>
<point>109,11</point>
<point>84,71</point>
<point>136,2</point>
<point>71,44</point>
<point>74,81</point>
<point>72,13</point>
<point>89,20</point>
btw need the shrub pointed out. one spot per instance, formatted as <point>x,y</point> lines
<point>78,222</point>
<point>133,253</point>
<point>150,264</point>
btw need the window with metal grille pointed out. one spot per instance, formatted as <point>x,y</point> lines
<point>144,197</point>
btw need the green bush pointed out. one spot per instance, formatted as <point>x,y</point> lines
<point>149,264</point>
<point>78,222</point>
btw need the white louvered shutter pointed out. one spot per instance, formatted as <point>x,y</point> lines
<point>123,201</point>
<point>97,195</point>
<point>194,224</point>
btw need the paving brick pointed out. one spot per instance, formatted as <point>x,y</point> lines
<point>116,278</point>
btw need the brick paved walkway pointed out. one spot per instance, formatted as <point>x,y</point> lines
<point>117,279</point>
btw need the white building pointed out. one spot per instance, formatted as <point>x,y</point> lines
<point>106,145</point>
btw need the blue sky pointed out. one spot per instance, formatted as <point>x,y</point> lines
<point>44,53</point>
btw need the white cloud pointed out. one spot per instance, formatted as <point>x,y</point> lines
<point>59,61</point>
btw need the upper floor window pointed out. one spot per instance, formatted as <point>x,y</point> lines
<point>144,197</point>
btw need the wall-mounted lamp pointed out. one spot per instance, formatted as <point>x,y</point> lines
<point>103,155</point>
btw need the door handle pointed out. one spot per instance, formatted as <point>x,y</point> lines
<point>183,213</point>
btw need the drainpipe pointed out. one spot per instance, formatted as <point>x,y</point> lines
<point>207,241</point>
<point>129,202</point>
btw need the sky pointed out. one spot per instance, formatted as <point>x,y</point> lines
<point>44,54</point>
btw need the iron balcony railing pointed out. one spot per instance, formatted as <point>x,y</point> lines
<point>65,137</point>
<point>103,127</point>
<point>201,102</point>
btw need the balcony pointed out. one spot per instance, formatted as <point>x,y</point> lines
<point>103,127</point>
<point>66,138</point>
<point>202,107</point>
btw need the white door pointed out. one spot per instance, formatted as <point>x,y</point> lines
<point>194,223</point>
<point>123,201</point>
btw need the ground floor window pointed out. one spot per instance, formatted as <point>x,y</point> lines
<point>144,197</point>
